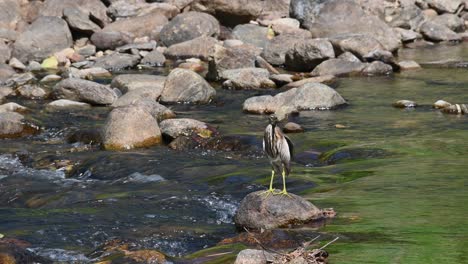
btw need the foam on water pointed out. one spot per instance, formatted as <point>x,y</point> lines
<point>61,255</point>
<point>12,166</point>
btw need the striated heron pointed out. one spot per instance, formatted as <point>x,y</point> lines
<point>279,150</point>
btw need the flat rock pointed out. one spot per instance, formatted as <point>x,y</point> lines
<point>89,73</point>
<point>257,212</point>
<point>338,67</point>
<point>437,32</point>
<point>66,104</point>
<point>236,57</point>
<point>186,86</point>
<point>129,82</point>
<point>117,61</point>
<point>408,65</point>
<point>32,92</point>
<point>149,25</point>
<point>202,47</point>
<point>84,91</point>
<point>130,127</point>
<point>358,44</point>
<point>247,78</point>
<point>326,79</point>
<point>176,127</point>
<point>307,54</point>
<point>111,39</point>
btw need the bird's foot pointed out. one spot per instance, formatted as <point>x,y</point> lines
<point>285,193</point>
<point>268,192</point>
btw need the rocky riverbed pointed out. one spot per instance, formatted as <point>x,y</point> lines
<point>131,128</point>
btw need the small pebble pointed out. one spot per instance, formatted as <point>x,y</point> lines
<point>291,127</point>
<point>340,126</point>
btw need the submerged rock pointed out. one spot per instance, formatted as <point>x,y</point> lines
<point>459,109</point>
<point>257,211</point>
<point>84,91</point>
<point>186,86</point>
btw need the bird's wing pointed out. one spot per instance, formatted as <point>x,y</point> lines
<point>283,149</point>
<point>290,146</point>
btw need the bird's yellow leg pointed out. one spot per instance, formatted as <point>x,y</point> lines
<point>271,190</point>
<point>284,192</point>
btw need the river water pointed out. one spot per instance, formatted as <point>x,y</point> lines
<point>396,177</point>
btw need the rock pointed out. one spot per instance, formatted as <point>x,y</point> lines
<point>134,96</point>
<point>20,79</point>
<point>186,86</point>
<point>124,251</point>
<point>87,50</point>
<point>130,82</point>
<point>327,79</point>
<point>262,63</point>
<point>348,56</point>
<point>252,34</point>
<point>10,15</point>
<point>5,52</point>
<point>13,125</point>
<point>138,98</point>
<point>309,96</point>
<point>281,79</point>
<point>50,78</point>
<point>404,104</point>
<point>407,17</point>
<point>79,21</point>
<point>134,8</point>
<point>117,61</point>
<point>437,32</point>
<point>50,63</point>
<point>42,38</point>
<point>307,54</point>
<point>378,68</point>
<point>441,104</point>
<point>358,44</point>
<point>444,6</point>
<point>459,109</point>
<point>66,104</point>
<point>198,67</point>
<point>110,39</point>
<point>6,72</point>
<point>257,212</point>
<point>147,25</point>
<point>16,64</point>
<point>230,58</point>
<point>130,127</point>
<point>4,92</point>
<point>451,21</point>
<point>408,35</point>
<point>188,26</point>
<point>408,65</point>
<point>234,12</point>
<point>276,49</point>
<point>84,91</point>
<point>247,78</point>
<point>32,92</point>
<point>339,17</point>
<point>95,8</point>
<point>176,127</point>
<point>383,56</point>
<point>154,58</point>
<point>90,74</point>
<point>429,13</point>
<point>254,256</point>
<point>147,46</point>
<point>338,67</point>
<point>291,127</point>
<point>286,21</point>
<point>202,47</point>
<point>12,107</point>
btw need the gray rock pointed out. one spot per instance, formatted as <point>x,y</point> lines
<point>459,109</point>
<point>176,127</point>
<point>404,104</point>
<point>307,54</point>
<point>12,107</point>
<point>32,92</point>
<point>148,46</point>
<point>358,44</point>
<point>79,21</point>
<point>66,104</point>
<point>50,78</point>
<point>202,47</point>
<point>95,8</point>
<point>16,64</point>
<point>13,125</point>
<point>281,79</point>
<point>348,56</point>
<point>326,79</point>
<point>8,34</point>
<point>186,86</point>
<point>408,65</point>
<point>188,26</point>
<point>251,34</point>
<point>438,32</point>
<point>444,6</point>
<point>90,73</point>
<point>441,104</point>
<point>407,16</point>
<point>10,14</point>
<point>451,21</point>
<point>6,72</point>
<point>148,25</point>
<point>20,79</point>
<point>327,19</point>
<point>5,52</point>
<point>292,127</point>
<point>84,91</point>
<point>154,58</point>
<point>309,96</point>
<point>378,68</point>
<point>276,49</point>
<point>231,58</point>
<point>130,82</point>
<point>42,38</point>
<point>262,63</point>
<point>408,35</point>
<point>117,61</point>
<point>86,51</point>
<point>133,8</point>
<point>247,78</point>
<point>110,39</point>
<point>257,212</point>
<point>144,98</point>
<point>339,67</point>
<point>130,127</point>
<point>254,256</point>
<point>4,92</point>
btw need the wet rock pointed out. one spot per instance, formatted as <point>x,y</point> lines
<point>254,256</point>
<point>50,78</point>
<point>378,68</point>
<point>154,58</point>
<point>384,56</point>
<point>338,67</point>
<point>186,86</point>
<point>12,107</point>
<point>147,25</point>
<point>231,58</point>
<point>438,32</point>
<point>459,109</point>
<point>32,92</point>
<point>188,26</point>
<point>281,79</point>
<point>451,21</point>
<point>84,91</point>
<point>16,64</point>
<point>79,21</point>
<point>85,136</point>
<point>307,54</point>
<point>358,44</point>
<point>110,39</point>
<point>404,104</point>
<point>337,17</point>
<point>130,127</point>
<point>117,61</point>
<point>276,49</point>
<point>408,35</point>
<point>256,211</point>
<point>66,104</point>
<point>13,251</point>
<point>157,110</point>
<point>13,125</point>
<point>202,47</point>
<point>5,52</point>
<point>326,79</point>
<point>135,96</point>
<point>130,82</point>
<point>441,104</point>
<point>252,34</point>
<point>123,251</point>
<point>176,127</point>
<point>408,65</point>
<point>95,8</point>
<point>310,96</point>
<point>292,127</point>
<point>444,6</point>
<point>247,78</point>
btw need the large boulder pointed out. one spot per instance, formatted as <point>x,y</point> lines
<point>186,86</point>
<point>257,212</point>
<point>84,91</point>
<point>202,47</point>
<point>42,38</point>
<point>95,8</point>
<point>121,9</point>
<point>143,98</point>
<point>444,6</point>
<point>437,32</point>
<point>276,49</point>
<point>252,34</point>
<point>13,125</point>
<point>339,67</point>
<point>308,53</point>
<point>129,82</point>
<point>79,21</point>
<point>332,18</point>
<point>117,61</point>
<point>451,21</point>
<point>130,127</point>
<point>234,12</point>
<point>310,96</point>
<point>148,25</point>
<point>226,58</point>
<point>188,26</point>
<point>247,78</point>
<point>358,44</point>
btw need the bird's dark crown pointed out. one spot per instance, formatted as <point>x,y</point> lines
<point>273,119</point>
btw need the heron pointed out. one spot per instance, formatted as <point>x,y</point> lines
<point>279,149</point>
